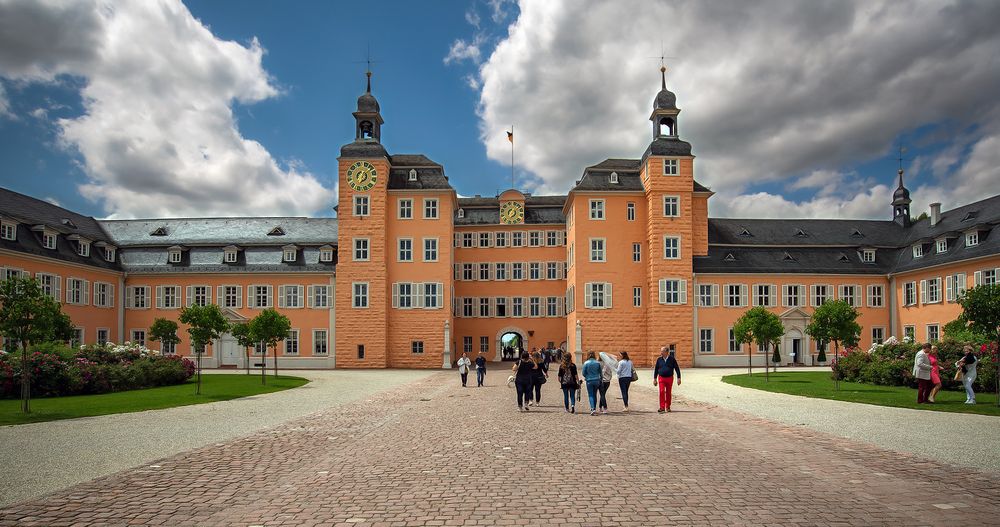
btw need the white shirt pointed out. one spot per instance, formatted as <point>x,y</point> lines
<point>624,369</point>
<point>463,365</point>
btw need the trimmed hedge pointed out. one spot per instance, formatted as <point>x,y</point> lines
<point>892,365</point>
<point>59,370</point>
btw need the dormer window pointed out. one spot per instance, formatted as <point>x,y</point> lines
<point>69,223</point>
<point>326,254</point>
<point>971,215</point>
<point>972,239</point>
<point>109,254</point>
<point>843,258</point>
<point>746,233</point>
<point>942,246</point>
<point>8,230</point>
<point>231,254</point>
<point>788,258</point>
<point>918,250</point>
<point>277,231</point>
<point>413,174</point>
<point>614,178</point>
<point>799,233</point>
<point>730,257</point>
<point>48,240</point>
<point>159,231</point>
<point>83,248</point>
<point>461,213</point>
<point>174,255</point>
<point>868,255</point>
<point>857,234</point>
<point>289,253</point>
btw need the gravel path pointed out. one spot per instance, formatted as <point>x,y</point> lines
<point>959,439</point>
<point>44,457</point>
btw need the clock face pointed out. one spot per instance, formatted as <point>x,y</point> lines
<point>361,176</point>
<point>511,213</point>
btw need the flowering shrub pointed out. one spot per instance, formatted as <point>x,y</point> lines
<point>92,369</point>
<point>891,364</point>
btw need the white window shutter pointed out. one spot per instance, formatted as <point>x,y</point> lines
<point>281,296</point>
<point>457,239</point>
<point>560,271</point>
<point>743,295</point>
<point>220,295</point>
<point>298,295</point>
<point>607,295</point>
<point>490,243</point>
<point>588,290</point>
<point>86,293</point>
<point>420,290</point>
<point>311,295</point>
<point>923,291</point>
<point>977,278</point>
<point>802,295</point>
<point>159,297</point>
<point>440,295</point>
<point>684,291</point>
<point>561,307</point>
<point>395,295</point>
<point>773,300</point>
<point>457,271</point>
<point>753,297</point>
<point>252,296</point>
<point>270,296</point>
<point>239,296</point>
<point>188,295</point>
<point>725,299</point>
<point>129,296</point>
<point>715,295</point>
<point>949,287</point>
<point>111,295</point>
<point>784,296</point>
<point>662,291</point>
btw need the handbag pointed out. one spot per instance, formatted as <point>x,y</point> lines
<point>958,375</point>
<point>635,375</point>
<point>510,381</point>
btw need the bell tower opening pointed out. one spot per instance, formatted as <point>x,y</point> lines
<point>368,118</point>
<point>667,127</point>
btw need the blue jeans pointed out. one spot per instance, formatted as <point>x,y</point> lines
<point>970,394</point>
<point>592,388</point>
<point>625,384</point>
<point>569,396</point>
<point>523,392</point>
<point>480,376</point>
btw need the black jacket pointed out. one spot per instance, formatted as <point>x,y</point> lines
<point>666,367</point>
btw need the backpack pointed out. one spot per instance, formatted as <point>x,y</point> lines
<point>567,376</point>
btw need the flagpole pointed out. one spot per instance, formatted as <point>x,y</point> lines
<point>511,156</point>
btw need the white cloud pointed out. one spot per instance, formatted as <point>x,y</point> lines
<point>472,17</point>
<point>500,9</point>
<point>462,50</point>
<point>770,91</point>
<point>158,136</point>
<point>53,201</point>
<point>5,111</point>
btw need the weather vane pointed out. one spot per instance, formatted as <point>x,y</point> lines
<point>902,150</point>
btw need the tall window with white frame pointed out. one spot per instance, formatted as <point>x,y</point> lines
<point>762,295</point>
<point>671,247</point>
<point>467,344</point>
<point>320,342</point>
<point>361,205</point>
<point>707,294</point>
<point>430,208</point>
<point>636,296</point>
<point>933,333</point>
<point>706,339</point>
<point>671,206</point>
<point>405,249</point>
<point>910,294</point>
<point>630,211</point>
<point>361,249</point>
<point>360,295</point>
<point>734,345</point>
<point>430,249</point>
<point>878,335</point>
<point>670,167</point>
<point>597,209</point>
<point>292,342</point>
<point>262,296</point>
<point>876,295</point>
<point>405,208</point>
<point>597,250</point>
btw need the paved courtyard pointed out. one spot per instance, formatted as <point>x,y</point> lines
<point>432,453</point>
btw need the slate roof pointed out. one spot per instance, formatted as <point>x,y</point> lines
<point>598,177</point>
<point>430,175</point>
<point>983,216</point>
<point>29,212</point>
<point>486,211</point>
<point>806,260</point>
<point>667,146</point>
<point>363,148</point>
<point>210,260</point>
<point>223,231</point>
<point>804,232</point>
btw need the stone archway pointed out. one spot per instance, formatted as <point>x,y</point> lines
<point>509,329</point>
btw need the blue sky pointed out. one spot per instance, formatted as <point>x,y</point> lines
<point>781,125</point>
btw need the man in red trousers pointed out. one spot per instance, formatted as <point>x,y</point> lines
<point>663,376</point>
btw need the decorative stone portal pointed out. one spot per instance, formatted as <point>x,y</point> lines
<point>795,343</point>
<point>510,337</point>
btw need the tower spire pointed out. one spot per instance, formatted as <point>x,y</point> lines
<point>663,77</point>
<point>368,88</point>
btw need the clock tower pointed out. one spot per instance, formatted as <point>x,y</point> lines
<point>361,282</point>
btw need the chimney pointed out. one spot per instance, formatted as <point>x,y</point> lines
<point>935,213</point>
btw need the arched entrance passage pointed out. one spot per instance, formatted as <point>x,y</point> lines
<point>510,341</point>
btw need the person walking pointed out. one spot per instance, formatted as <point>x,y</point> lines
<point>592,376</point>
<point>541,375</point>
<point>625,372</point>
<point>663,376</point>
<point>967,365</point>
<point>935,374</point>
<point>608,364</point>
<point>570,382</point>
<point>463,368</point>
<point>480,369</point>
<point>524,374</point>
<point>922,372</point>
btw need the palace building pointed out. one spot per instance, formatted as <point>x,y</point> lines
<point>411,275</point>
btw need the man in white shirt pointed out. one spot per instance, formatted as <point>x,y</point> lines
<point>922,372</point>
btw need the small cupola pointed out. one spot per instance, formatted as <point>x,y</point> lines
<point>368,117</point>
<point>665,111</point>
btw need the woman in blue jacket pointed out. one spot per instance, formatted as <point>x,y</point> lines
<point>592,375</point>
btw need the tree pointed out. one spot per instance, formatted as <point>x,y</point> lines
<point>270,327</point>
<point>27,316</point>
<point>205,324</point>
<point>759,326</point>
<point>981,312</point>
<point>164,331</point>
<point>243,333</point>
<point>835,321</point>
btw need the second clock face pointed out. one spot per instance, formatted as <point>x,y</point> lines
<point>511,213</point>
<point>361,176</point>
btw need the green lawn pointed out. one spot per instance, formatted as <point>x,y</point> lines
<point>819,384</point>
<point>218,387</point>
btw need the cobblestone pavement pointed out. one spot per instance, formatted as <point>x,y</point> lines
<point>433,453</point>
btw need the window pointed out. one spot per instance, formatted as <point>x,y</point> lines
<point>8,231</point>
<point>76,291</point>
<point>261,296</point>
<point>484,307</point>
<point>484,344</point>
<point>597,295</point>
<point>500,239</point>
<point>705,340</point>
<point>168,348</point>
<point>848,293</point>
<point>360,295</point>
<point>552,306</point>
<point>918,250</point>
<point>83,248</point>
<point>290,296</point>
<point>909,333</point>
<point>791,295</point>
<point>517,306</point>
<point>137,297</point>
<point>671,206</point>
<point>673,291</point>
<point>955,285</point>
<point>467,307</point>
<point>517,239</point>
<point>597,250</point>
<point>932,332</point>
<point>734,347</point>
<point>361,249</point>
<point>48,240</point>
<point>430,208</point>
<point>485,239</point>
<point>535,271</point>
<point>736,295</point>
<point>535,306</point>
<point>517,271</point>
<point>552,271</point>
<point>933,291</point>
<point>168,297</point>
<point>260,349</point>
<point>500,306</point>
<point>614,177</point>
<point>232,296</point>
<point>104,294</point>
<point>671,247</point>
<point>360,205</point>
<point>636,252</point>
<point>535,239</point>
<point>199,295</point>
<point>972,239</point>
<point>501,271</point>
<point>175,257</point>
<point>571,299</point>
<point>942,246</point>
<point>230,256</point>
<point>910,294</point>
<point>708,295</point>
<point>484,271</point>
<point>321,345</point>
<point>876,296</point>
<point>292,342</point>
<point>103,336</point>
<point>289,254</point>
<point>319,296</point>
<point>405,249</point>
<point>109,254</point>
<point>868,256</point>
<point>76,338</point>
<point>878,335</point>
<point>326,254</point>
<point>467,344</point>
<point>433,295</point>
<point>597,209</point>
<point>669,167</point>
<point>405,209</point>
<point>986,276</point>
<point>139,337</point>
<point>637,297</point>
<point>551,238</point>
<point>402,295</point>
<point>430,249</point>
<point>820,294</point>
<point>630,211</point>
